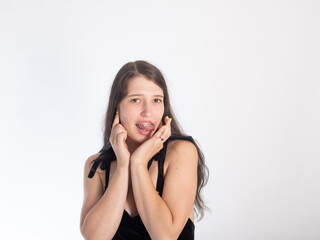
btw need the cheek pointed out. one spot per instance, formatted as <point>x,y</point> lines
<point>160,115</point>
<point>126,118</point>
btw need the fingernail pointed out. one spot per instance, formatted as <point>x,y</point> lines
<point>165,127</point>
<point>116,112</point>
<point>167,117</point>
<point>170,119</point>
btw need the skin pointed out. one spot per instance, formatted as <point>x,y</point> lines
<point>144,102</point>
<point>131,186</point>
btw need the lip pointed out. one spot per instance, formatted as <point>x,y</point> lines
<point>145,121</point>
<point>142,132</point>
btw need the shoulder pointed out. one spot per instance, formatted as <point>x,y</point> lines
<point>181,147</point>
<point>89,162</point>
<point>182,151</point>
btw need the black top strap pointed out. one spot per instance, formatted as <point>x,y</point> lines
<point>93,169</point>
<point>161,158</point>
<point>107,173</point>
<point>105,157</point>
<point>160,179</point>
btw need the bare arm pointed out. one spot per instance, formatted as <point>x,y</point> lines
<point>165,217</point>
<point>102,211</point>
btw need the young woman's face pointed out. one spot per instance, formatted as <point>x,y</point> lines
<point>142,109</point>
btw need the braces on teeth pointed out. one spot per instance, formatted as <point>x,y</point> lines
<point>144,124</point>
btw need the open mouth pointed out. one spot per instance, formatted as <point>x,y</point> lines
<point>145,127</point>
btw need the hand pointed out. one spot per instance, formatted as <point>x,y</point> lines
<point>153,145</point>
<point>118,139</point>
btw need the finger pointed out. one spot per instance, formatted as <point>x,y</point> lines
<point>118,129</point>
<point>116,119</point>
<point>168,121</point>
<point>118,135</point>
<point>122,137</point>
<point>167,133</point>
<point>164,131</point>
<point>114,127</point>
<point>161,134</point>
<point>160,131</point>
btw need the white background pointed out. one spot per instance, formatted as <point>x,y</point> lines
<point>244,81</point>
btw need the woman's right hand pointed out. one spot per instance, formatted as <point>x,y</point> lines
<point>118,139</point>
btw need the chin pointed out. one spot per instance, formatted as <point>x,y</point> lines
<point>142,139</point>
<point>138,138</point>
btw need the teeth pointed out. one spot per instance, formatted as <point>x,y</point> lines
<point>144,124</point>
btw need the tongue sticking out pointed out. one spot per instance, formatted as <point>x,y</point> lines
<point>145,127</point>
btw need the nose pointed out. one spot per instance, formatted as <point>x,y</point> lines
<point>146,110</point>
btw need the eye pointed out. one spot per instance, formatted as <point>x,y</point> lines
<point>135,100</point>
<point>158,100</point>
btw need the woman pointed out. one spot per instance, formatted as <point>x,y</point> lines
<point>149,174</point>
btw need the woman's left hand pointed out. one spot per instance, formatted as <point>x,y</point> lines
<point>152,146</point>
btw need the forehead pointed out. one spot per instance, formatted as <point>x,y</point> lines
<point>142,85</point>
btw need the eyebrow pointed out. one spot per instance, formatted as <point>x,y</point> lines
<point>139,95</point>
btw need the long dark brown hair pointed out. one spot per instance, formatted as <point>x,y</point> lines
<point>119,91</point>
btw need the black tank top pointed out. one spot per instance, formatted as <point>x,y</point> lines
<point>132,228</point>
